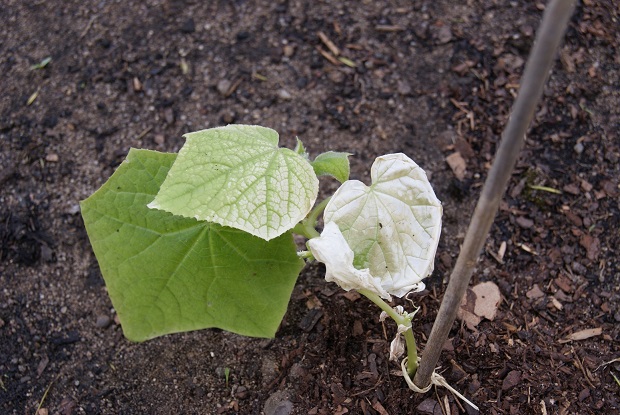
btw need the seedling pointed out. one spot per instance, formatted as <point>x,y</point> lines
<point>41,64</point>
<point>226,375</point>
<point>205,238</point>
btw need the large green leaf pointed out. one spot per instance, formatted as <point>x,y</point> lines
<point>237,176</point>
<point>167,273</point>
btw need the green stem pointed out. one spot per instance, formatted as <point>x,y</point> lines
<point>302,229</point>
<point>412,351</point>
<point>305,255</point>
<point>307,227</point>
<point>313,217</point>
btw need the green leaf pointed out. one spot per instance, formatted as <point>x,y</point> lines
<point>393,226</point>
<point>237,176</point>
<point>332,164</point>
<point>168,274</point>
<point>41,64</point>
<point>300,149</point>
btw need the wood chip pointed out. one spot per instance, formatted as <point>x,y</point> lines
<point>379,408</point>
<point>389,28</point>
<point>352,295</point>
<point>524,222</point>
<point>502,250</point>
<point>592,246</point>
<point>42,365</point>
<point>534,292</point>
<point>556,303</point>
<point>512,379</point>
<point>583,334</point>
<point>564,284</point>
<point>313,302</point>
<point>137,85</point>
<point>457,164</point>
<point>308,322</point>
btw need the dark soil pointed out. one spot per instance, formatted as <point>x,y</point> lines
<point>431,78</point>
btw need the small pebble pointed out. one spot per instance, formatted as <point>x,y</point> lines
<point>169,115</point>
<point>241,36</point>
<point>223,86</point>
<point>159,139</point>
<point>445,34</point>
<point>74,209</point>
<point>578,148</point>
<point>52,157</point>
<point>284,94</point>
<point>429,407</point>
<point>404,88</point>
<point>242,392</point>
<point>336,76</point>
<point>277,404</point>
<point>228,117</point>
<point>289,50</point>
<point>103,321</point>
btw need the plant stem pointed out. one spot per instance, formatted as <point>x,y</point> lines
<point>307,227</point>
<point>554,22</point>
<point>412,351</point>
<point>313,217</point>
<point>304,230</point>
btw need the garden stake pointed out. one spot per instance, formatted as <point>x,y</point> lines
<point>554,23</point>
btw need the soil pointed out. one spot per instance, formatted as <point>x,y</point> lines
<point>427,78</point>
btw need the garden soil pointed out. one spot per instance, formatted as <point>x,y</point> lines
<point>432,79</point>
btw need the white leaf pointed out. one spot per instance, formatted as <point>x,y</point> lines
<point>393,226</point>
<point>332,249</point>
<point>397,347</point>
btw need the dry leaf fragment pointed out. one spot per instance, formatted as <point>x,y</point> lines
<point>488,298</point>
<point>32,97</point>
<point>556,303</point>
<point>480,302</point>
<point>583,334</point>
<point>457,164</point>
<point>534,292</point>
<point>379,408</point>
<point>592,246</point>
<point>502,250</point>
<point>313,302</point>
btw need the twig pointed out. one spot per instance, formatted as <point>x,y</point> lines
<point>88,26</point>
<point>554,22</point>
<point>328,56</point>
<point>330,45</point>
<point>45,395</point>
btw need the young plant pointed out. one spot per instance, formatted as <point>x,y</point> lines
<point>205,238</point>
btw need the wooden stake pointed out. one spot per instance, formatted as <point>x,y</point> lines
<point>554,23</point>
